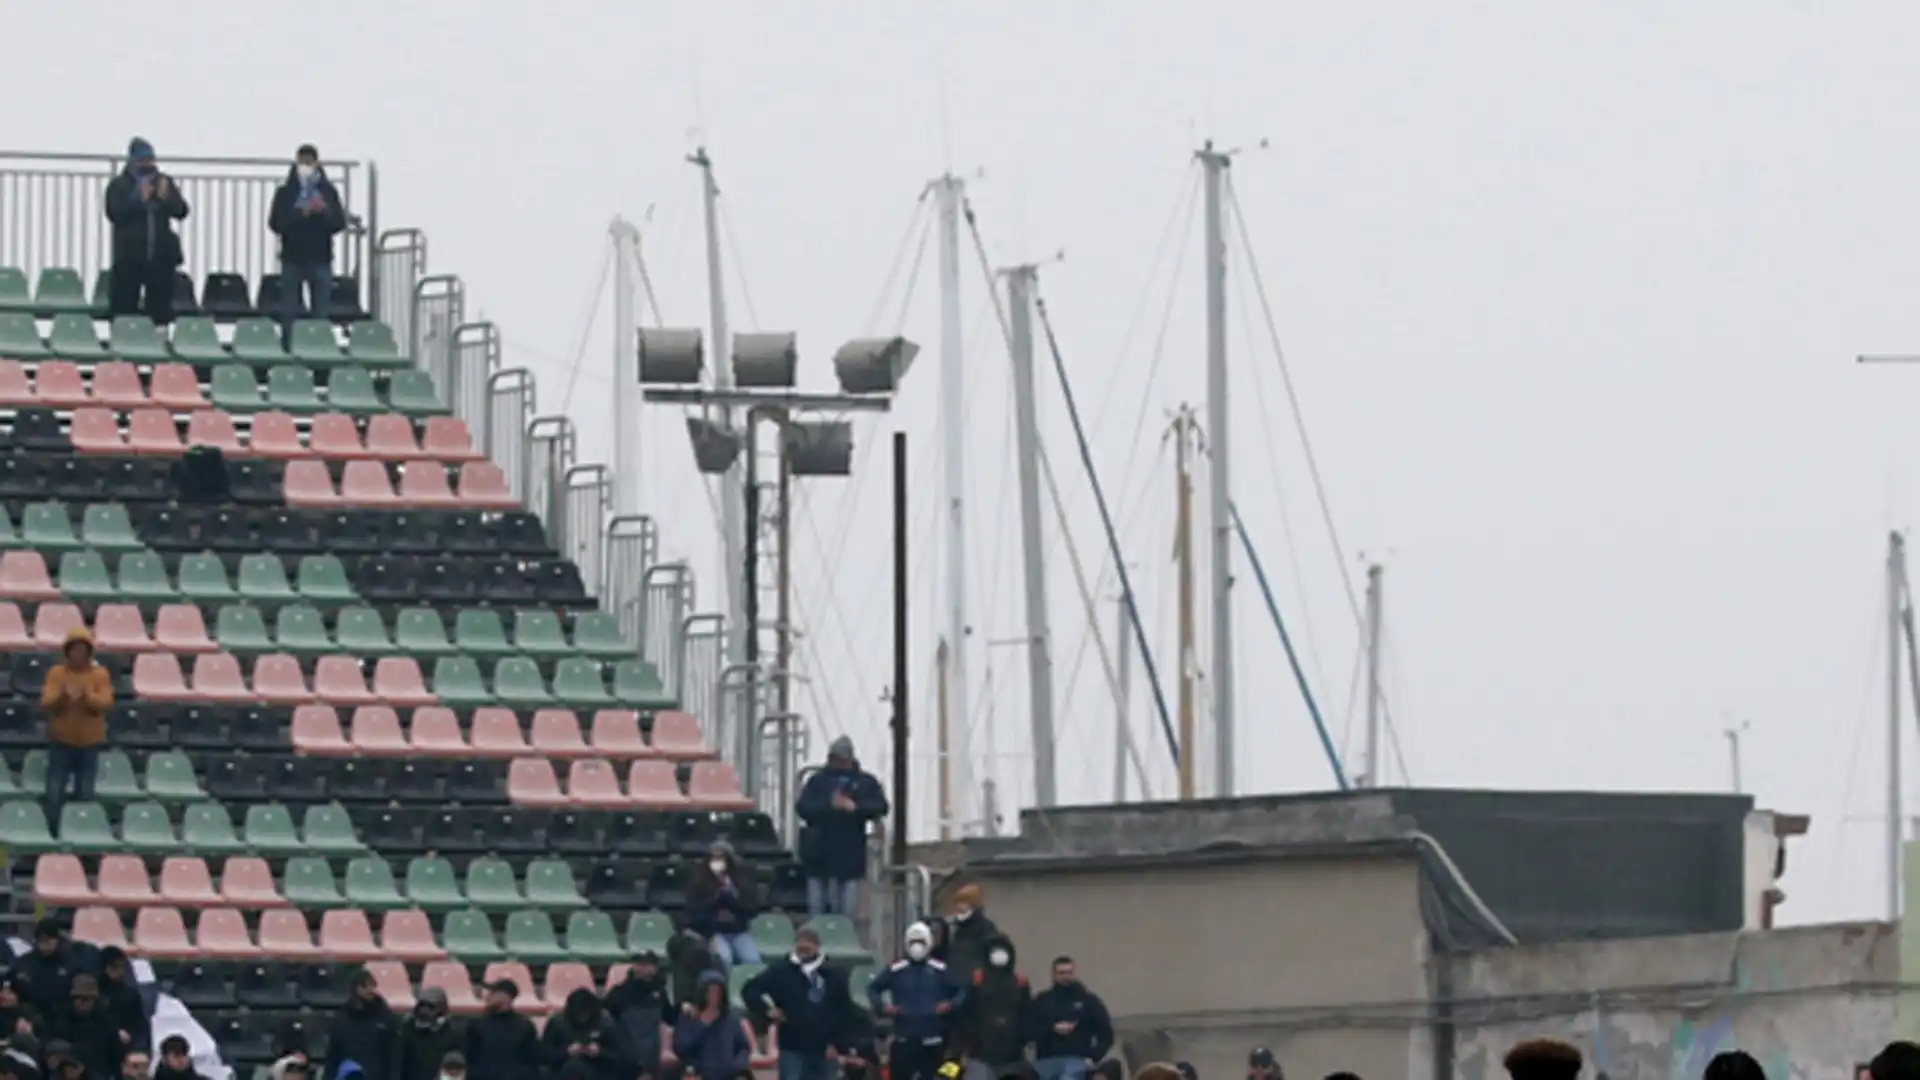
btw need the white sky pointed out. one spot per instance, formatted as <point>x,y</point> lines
<point>1570,295</point>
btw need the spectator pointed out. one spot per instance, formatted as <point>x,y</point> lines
<point>17,1016</point>
<point>1734,1065</point>
<point>857,1049</point>
<point>453,1066</point>
<point>1068,1026</point>
<point>427,1037</point>
<point>135,1064</point>
<point>17,1063</point>
<point>1543,1059</point>
<point>810,1000</point>
<point>1356,1076</point>
<point>721,905</point>
<point>1186,1070</point>
<point>1261,1065</point>
<point>501,1044</point>
<point>920,995</point>
<point>994,1020</point>
<point>63,1063</point>
<point>689,958</point>
<point>1898,1060</point>
<point>291,1068</point>
<point>47,971</point>
<point>968,933</point>
<point>638,1006</point>
<point>709,1040</point>
<point>579,1041</point>
<point>87,1029</point>
<point>306,215</point>
<point>142,204</point>
<point>176,1060</point>
<point>837,803</point>
<point>75,696</point>
<point>364,1033</point>
<point>120,999</point>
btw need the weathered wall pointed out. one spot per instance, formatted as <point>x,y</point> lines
<point>1809,1002</point>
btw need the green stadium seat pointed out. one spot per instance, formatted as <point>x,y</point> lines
<point>14,295</point>
<point>370,884</point>
<point>361,632</point>
<point>491,885</point>
<point>550,884</point>
<point>170,778</point>
<point>83,576</point>
<point>48,527</point>
<point>858,978</point>
<point>324,577</point>
<point>411,391</point>
<point>20,337</point>
<point>235,390</point>
<point>517,682</point>
<point>269,831</point>
<point>649,931</point>
<point>257,341</point>
<point>143,576</point>
<point>102,300</point>
<point>838,938</point>
<point>33,772</point>
<point>300,629</point>
<point>146,828</point>
<point>538,633</point>
<point>206,829</point>
<point>577,682</point>
<point>9,787</point>
<point>351,390</point>
<point>592,939</point>
<point>74,338</point>
<point>597,634</point>
<point>433,885</point>
<point>481,632</point>
<point>772,934</point>
<point>85,829</point>
<point>262,577</point>
<point>637,685</point>
<point>327,829</point>
<point>9,536</point>
<point>314,343</point>
<point>106,527</point>
<point>61,290</point>
<point>468,937</point>
<point>135,338</point>
<point>457,682</point>
<point>196,339</point>
<point>309,883</point>
<point>530,938</point>
<point>240,628</point>
<point>371,344</point>
<point>116,781</point>
<point>737,979</point>
<point>23,829</point>
<point>203,579</point>
<point>290,387</point>
<point>419,631</point>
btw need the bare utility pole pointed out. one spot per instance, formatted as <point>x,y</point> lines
<point>1184,434</point>
<point>1734,733</point>
<point>1020,286</point>
<point>1896,582</point>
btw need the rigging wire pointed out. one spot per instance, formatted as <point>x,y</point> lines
<point>725,221</point>
<point>589,317</point>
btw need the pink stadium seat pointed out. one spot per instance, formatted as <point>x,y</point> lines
<point>278,680</point>
<point>334,435</point>
<point>274,435</point>
<point>347,936</point>
<point>390,438</point>
<point>398,682</point>
<point>678,735</point>
<point>222,934</point>
<point>424,483</point>
<point>16,388</point>
<point>390,979</point>
<point>308,483</point>
<point>496,734</point>
<point>99,926</point>
<point>211,427</point>
<point>445,438</point>
<point>52,622</point>
<point>217,678</point>
<point>531,783</point>
<point>157,676</point>
<point>451,976</point>
<point>119,628</point>
<point>60,881</point>
<point>316,732</point>
<point>337,680</point>
<point>179,628</point>
<point>713,785</point>
<point>177,388</point>
<point>246,881</point>
<point>563,979</point>
<point>185,882</point>
<point>13,629</point>
<point>616,974</point>
<point>484,486</point>
<point>153,431</point>
<point>651,785</point>
<point>616,734</point>
<point>116,385</point>
<point>23,576</point>
<point>58,384</point>
<point>556,733</point>
<point>97,431</point>
<point>529,1001</point>
<point>365,483</point>
<point>436,732</point>
<point>161,934</point>
<point>408,935</point>
<point>592,784</point>
<point>376,732</point>
<point>124,882</point>
<point>284,935</point>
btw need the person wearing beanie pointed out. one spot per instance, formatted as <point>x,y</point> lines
<point>428,1036</point>
<point>307,214</point>
<point>836,804</point>
<point>809,999</point>
<point>120,1000</point>
<point>142,203</point>
<point>721,903</point>
<point>1543,1059</point>
<point>921,997</point>
<point>364,1031</point>
<point>75,696</point>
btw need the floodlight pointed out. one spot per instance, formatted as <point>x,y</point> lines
<point>671,357</point>
<point>714,446</point>
<point>765,361</point>
<point>818,448</point>
<point>873,365</point>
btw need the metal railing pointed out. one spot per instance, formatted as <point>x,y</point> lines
<point>700,653</point>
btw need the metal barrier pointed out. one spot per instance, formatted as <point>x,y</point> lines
<point>696,669</point>
<point>399,262</point>
<point>548,454</point>
<point>587,501</point>
<point>475,361</point>
<point>633,546</point>
<point>905,894</point>
<point>780,749</point>
<point>53,212</point>
<point>736,701</point>
<point>439,308</point>
<point>666,598</point>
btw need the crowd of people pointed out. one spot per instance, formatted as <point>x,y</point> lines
<point>73,1012</point>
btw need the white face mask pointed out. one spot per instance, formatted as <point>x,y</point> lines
<point>305,172</point>
<point>962,914</point>
<point>719,867</point>
<point>999,957</point>
<point>916,950</point>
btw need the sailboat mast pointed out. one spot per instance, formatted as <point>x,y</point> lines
<point>1896,572</point>
<point>1219,511</point>
<point>1123,707</point>
<point>1375,614</point>
<point>943,764</point>
<point>733,523</point>
<point>1020,284</point>
<point>951,191</point>
<point>1183,563</point>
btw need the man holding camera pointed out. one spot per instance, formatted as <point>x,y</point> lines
<point>142,204</point>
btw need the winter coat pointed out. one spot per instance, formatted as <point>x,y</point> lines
<point>717,907</point>
<point>423,1047</point>
<point>834,843</point>
<point>502,1046</point>
<point>585,1023</point>
<point>366,1032</point>
<point>638,1008</point>
<point>47,981</point>
<point>716,1051</point>
<point>966,947</point>
<point>994,1022</point>
<point>918,988</point>
<point>1092,1033</point>
<point>82,721</point>
<point>96,1042</point>
<point>143,228</point>
<point>818,1004</point>
<point>304,237</point>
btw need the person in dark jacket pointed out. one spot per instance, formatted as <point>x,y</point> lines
<point>811,1001</point>
<point>427,1037</point>
<point>142,203</point>
<point>579,1043</point>
<point>176,1060</point>
<point>307,213</point>
<point>968,932</point>
<point>994,1021</point>
<point>920,995</point>
<point>64,1064</point>
<point>688,958</point>
<point>1898,1060</point>
<point>1068,1026</point>
<point>502,1044</point>
<point>721,904</point>
<point>47,971</point>
<point>120,999</point>
<point>17,1015</point>
<point>837,803</point>
<point>711,1042</point>
<point>364,1031</point>
<point>85,1026</point>
<point>637,1007</point>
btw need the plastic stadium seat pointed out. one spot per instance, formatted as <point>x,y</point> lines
<point>390,438</point>
<point>135,338</point>
<point>59,290</point>
<point>372,344</point>
<point>577,682</point>
<point>397,681</point>
<point>157,677</point>
<point>161,934</point>
<point>20,338</point>
<point>538,633</point>
<point>376,732</point>
<point>456,680</point>
<point>284,935</point>
<point>152,431</point>
<point>481,632</point>
<point>176,388</point>
<point>468,937</point>
<point>491,884</point>
<point>257,341</point>
<point>23,828</point>
<point>338,680</point>
<point>14,296</point>
<point>616,734</point>
<point>300,628</point>
<point>313,343</point>
<point>390,980</point>
<point>445,438</point>
<point>13,629</point>
<point>269,831</point>
<point>713,785</point>
<point>309,883</point>
<point>72,336</point>
<point>48,526</point>
<point>263,577</point>
<point>497,734</point>
<point>116,385</point>
<point>83,576</point>
<point>358,629</point>
<point>773,934</point>
<point>529,1002</point>
<point>435,732</point>
<point>291,387</point>
<point>100,927</point>
<point>333,435</point>
<point>678,735</point>
<point>247,882</point>
<point>346,935</point>
<point>222,934</point>
<point>517,681</point>
<point>143,576</point>
<point>591,937</point>
<point>115,780</point>
<point>60,881</point>
<point>529,938</point>
<point>107,527</point>
<point>273,435</point>
<point>239,628</point>
<point>171,778</point>
<point>235,389</point>
<point>483,485</point>
<point>563,979</point>
<point>144,827</point>
<point>217,678</point>
<point>97,431</point>
<point>531,782</point>
<point>649,931</point>
<point>351,390</point>
<point>424,484</point>
<point>592,784</point>
<point>52,623</point>
<point>309,484</point>
<point>407,935</point>
<point>550,885</point>
<point>278,680</point>
<point>636,683</point>
<point>323,577</point>
<point>210,427</point>
<point>652,785</point>
<point>316,732</point>
<point>186,882</point>
<point>597,634</point>
<point>205,829</point>
<point>58,384</point>
<point>16,388</point>
<point>327,829</point>
<point>421,632</point>
<point>365,483</point>
<point>556,734</point>
<point>411,391</point>
<point>451,977</point>
<point>177,628</point>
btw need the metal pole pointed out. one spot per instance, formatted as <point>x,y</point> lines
<point>1218,474</point>
<point>626,371</point>
<point>1375,579</point>
<point>749,571</point>
<point>1123,708</point>
<point>953,388</point>
<point>1733,756</point>
<point>1183,558</point>
<point>1020,281</point>
<point>943,765</point>
<point>1896,557</point>
<point>783,604</point>
<point>901,582</point>
<point>733,529</point>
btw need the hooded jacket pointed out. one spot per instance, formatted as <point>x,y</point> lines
<point>121,1000</point>
<point>997,1003</point>
<point>716,1051</point>
<point>426,1037</point>
<point>918,989</point>
<point>143,228</point>
<point>834,844</point>
<point>44,979</point>
<point>304,237</point>
<point>364,1031</point>
<point>583,1022</point>
<point>96,1042</point>
<point>638,1007</point>
<point>82,721</point>
<point>502,1046</point>
<point>1092,1033</point>
<point>815,999</point>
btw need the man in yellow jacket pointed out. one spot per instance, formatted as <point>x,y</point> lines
<point>77,696</point>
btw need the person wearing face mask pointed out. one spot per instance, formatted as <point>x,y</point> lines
<point>810,1001</point>
<point>968,932</point>
<point>995,1017</point>
<point>919,994</point>
<point>721,904</point>
<point>307,212</point>
<point>428,1036</point>
<point>1068,1026</point>
<point>142,204</point>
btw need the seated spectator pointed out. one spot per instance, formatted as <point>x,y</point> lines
<point>64,1064</point>
<point>17,1017</point>
<point>21,1062</point>
<point>176,1060</point>
<point>709,1040</point>
<point>638,1007</point>
<point>307,213</point>
<point>1068,1025</point>
<point>1262,1065</point>
<point>45,975</point>
<point>1898,1060</point>
<point>721,904</point>
<point>579,1042</point>
<point>837,803</point>
<point>137,1064</point>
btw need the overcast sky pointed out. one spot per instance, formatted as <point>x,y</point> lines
<point>1570,294</point>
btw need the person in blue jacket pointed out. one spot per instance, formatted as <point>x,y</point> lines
<point>920,996</point>
<point>710,1041</point>
<point>837,803</point>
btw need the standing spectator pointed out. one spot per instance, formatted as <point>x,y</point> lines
<point>143,203</point>
<point>76,697</point>
<point>1544,1059</point>
<point>306,214</point>
<point>836,804</point>
<point>1261,1065</point>
<point>810,1000</point>
<point>365,1033</point>
<point>427,1037</point>
<point>501,1044</point>
<point>176,1060</point>
<point>994,1021</point>
<point>45,975</point>
<point>968,933</point>
<point>1068,1026</point>
<point>86,1027</point>
<point>920,995</point>
<point>721,905</point>
<point>120,999</point>
<point>709,1040</point>
<point>579,1041</point>
<point>638,1006</point>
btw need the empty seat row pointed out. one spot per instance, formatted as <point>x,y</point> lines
<point>431,883</point>
<point>116,384</point>
<point>410,825</point>
<point>86,828</point>
<point>196,339</point>
<point>168,777</point>
<point>482,486</point>
<point>294,388</point>
<point>142,576</point>
<point>376,731</point>
<point>408,532</point>
<point>652,784</point>
<point>154,431</point>
<point>278,679</point>
<point>60,289</point>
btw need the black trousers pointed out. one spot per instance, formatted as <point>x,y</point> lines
<point>141,288</point>
<point>911,1059</point>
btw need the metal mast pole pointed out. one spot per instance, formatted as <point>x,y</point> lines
<point>1123,711</point>
<point>1026,413</point>
<point>953,406</point>
<point>1183,559</point>
<point>1220,438</point>
<point>897,842</point>
<point>943,764</point>
<point>1375,613</point>
<point>1733,758</point>
<point>1896,563</point>
<point>733,523</point>
<point>626,370</point>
